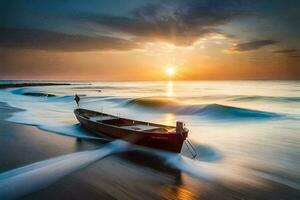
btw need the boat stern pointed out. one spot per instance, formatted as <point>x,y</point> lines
<point>181,129</point>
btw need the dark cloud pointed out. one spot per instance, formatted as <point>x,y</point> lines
<point>149,11</point>
<point>47,40</point>
<point>286,51</point>
<point>253,45</point>
<point>291,53</point>
<point>181,23</point>
<point>295,56</point>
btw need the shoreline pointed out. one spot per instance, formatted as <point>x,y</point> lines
<point>131,175</point>
<point>16,134</point>
<point>28,144</point>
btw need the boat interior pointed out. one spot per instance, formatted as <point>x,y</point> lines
<point>126,123</point>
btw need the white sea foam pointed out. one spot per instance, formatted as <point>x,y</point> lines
<point>55,116</point>
<point>194,168</point>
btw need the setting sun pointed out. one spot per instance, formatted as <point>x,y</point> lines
<point>170,71</point>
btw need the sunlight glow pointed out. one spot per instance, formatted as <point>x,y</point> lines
<point>170,70</point>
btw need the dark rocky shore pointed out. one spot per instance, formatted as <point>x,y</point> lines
<point>13,85</point>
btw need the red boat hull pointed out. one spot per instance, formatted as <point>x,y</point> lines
<point>166,141</point>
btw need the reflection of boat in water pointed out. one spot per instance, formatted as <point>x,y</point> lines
<point>152,135</point>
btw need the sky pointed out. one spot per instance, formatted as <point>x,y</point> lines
<point>139,39</point>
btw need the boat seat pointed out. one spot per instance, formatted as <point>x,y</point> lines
<point>140,127</point>
<point>101,118</point>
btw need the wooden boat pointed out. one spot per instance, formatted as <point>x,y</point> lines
<point>152,135</point>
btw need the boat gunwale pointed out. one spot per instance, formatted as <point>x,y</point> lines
<point>77,113</point>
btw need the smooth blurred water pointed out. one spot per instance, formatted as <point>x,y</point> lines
<point>250,128</point>
<point>25,180</point>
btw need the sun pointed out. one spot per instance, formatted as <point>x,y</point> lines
<point>170,70</point>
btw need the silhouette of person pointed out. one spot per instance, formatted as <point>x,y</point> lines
<point>77,99</point>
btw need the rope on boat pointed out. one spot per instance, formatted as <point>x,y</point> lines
<point>190,147</point>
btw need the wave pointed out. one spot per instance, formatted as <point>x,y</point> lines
<point>153,102</point>
<point>67,98</point>
<point>71,130</point>
<point>215,111</point>
<point>31,92</point>
<point>196,168</point>
<point>38,94</point>
<point>265,98</point>
<point>100,88</point>
<point>223,111</point>
<point>204,152</point>
<point>28,179</point>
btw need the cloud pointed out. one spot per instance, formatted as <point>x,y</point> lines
<point>179,22</point>
<point>286,51</point>
<point>291,53</point>
<point>47,40</point>
<point>295,56</point>
<point>253,45</point>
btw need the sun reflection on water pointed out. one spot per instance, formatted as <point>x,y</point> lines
<point>169,119</point>
<point>169,91</point>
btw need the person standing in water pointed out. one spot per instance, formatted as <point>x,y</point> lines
<point>77,99</point>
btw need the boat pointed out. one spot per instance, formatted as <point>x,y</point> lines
<point>163,137</point>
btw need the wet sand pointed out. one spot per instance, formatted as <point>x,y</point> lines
<point>132,175</point>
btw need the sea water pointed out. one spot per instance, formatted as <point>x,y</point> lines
<point>242,130</point>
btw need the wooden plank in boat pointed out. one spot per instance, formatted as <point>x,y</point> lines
<point>101,118</point>
<point>140,127</point>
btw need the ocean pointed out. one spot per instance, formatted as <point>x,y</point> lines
<point>243,131</point>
